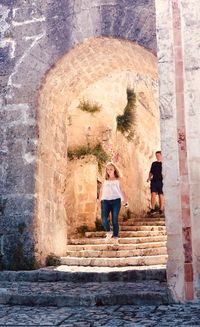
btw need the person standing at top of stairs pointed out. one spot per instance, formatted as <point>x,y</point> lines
<point>111,195</point>
<point>156,184</point>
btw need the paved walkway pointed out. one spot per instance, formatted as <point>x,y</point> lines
<point>127,315</point>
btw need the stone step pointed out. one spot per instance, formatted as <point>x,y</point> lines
<point>124,234</point>
<point>115,262</point>
<point>116,253</point>
<point>127,240</point>
<point>83,274</point>
<point>61,294</point>
<point>103,247</point>
<point>131,222</point>
<point>144,219</point>
<point>142,228</point>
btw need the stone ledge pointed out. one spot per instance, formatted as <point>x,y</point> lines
<point>89,294</point>
<point>86,274</point>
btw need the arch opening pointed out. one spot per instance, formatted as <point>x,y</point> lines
<point>98,71</point>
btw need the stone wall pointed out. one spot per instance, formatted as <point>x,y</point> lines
<point>192,104</point>
<point>179,64</point>
<point>133,157</point>
<point>35,35</point>
<point>81,195</point>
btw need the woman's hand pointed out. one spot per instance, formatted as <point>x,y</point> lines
<point>123,192</point>
<point>125,204</point>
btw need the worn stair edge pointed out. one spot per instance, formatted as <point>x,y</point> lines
<point>124,234</point>
<point>127,240</point>
<point>127,274</point>
<point>116,253</point>
<point>120,246</point>
<point>142,223</point>
<point>145,228</point>
<point>118,295</point>
<point>145,219</point>
<point>115,262</point>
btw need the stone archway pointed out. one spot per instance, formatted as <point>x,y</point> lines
<point>95,60</point>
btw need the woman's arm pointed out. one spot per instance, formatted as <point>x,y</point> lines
<point>122,191</point>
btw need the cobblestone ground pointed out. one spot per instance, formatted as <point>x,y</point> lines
<point>127,315</point>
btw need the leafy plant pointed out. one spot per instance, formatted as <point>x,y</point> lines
<point>127,215</point>
<point>90,107</point>
<point>126,122</point>
<point>83,229</point>
<point>101,156</point>
<point>52,260</point>
<point>98,225</point>
<point>82,151</point>
<point>78,153</point>
<point>19,261</point>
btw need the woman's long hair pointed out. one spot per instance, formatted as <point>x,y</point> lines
<point>116,170</point>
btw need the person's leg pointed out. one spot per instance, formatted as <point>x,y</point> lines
<point>105,210</point>
<point>116,205</point>
<point>153,200</point>
<point>160,196</point>
<point>161,201</point>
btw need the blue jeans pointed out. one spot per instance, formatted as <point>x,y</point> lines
<point>112,206</point>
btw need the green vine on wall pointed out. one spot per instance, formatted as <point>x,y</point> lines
<point>88,106</point>
<point>52,260</point>
<point>82,151</point>
<point>126,122</point>
<point>81,230</point>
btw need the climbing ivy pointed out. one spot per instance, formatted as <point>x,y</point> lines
<point>126,122</point>
<point>82,151</point>
<point>90,107</point>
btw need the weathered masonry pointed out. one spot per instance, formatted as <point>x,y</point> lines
<point>57,52</point>
<point>178,60</point>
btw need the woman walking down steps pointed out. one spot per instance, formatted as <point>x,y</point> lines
<point>111,196</point>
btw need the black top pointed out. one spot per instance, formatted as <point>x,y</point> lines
<point>156,171</point>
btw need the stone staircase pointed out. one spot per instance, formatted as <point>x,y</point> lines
<point>142,242</point>
<point>95,273</point>
<point>54,287</point>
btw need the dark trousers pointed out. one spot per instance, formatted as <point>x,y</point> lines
<point>112,206</point>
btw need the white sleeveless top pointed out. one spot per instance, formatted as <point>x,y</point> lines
<point>111,190</point>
